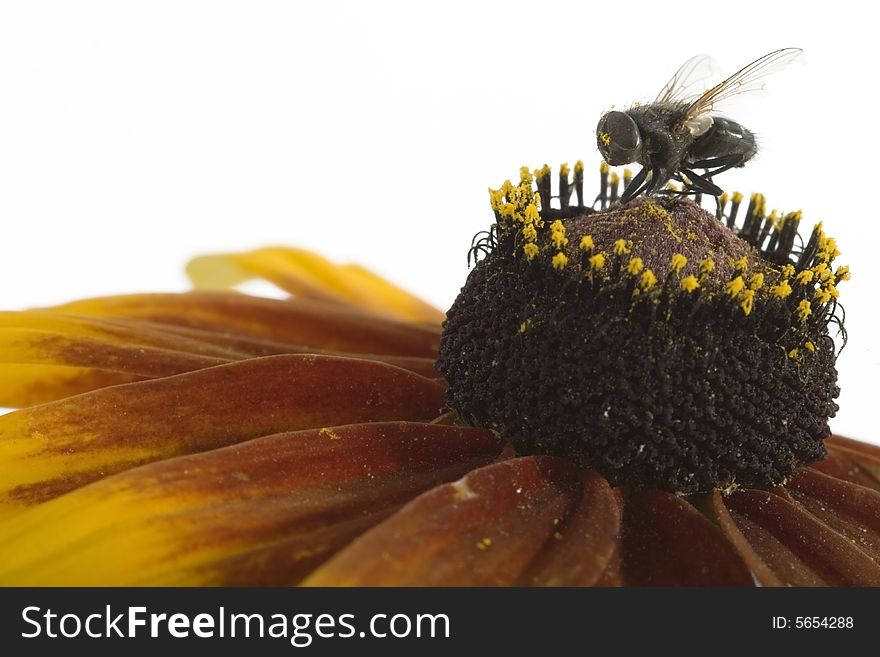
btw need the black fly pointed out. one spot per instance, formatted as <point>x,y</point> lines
<point>679,132</point>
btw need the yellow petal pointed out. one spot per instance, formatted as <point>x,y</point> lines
<point>50,449</point>
<point>308,275</point>
<point>65,355</point>
<point>264,511</point>
<point>296,321</point>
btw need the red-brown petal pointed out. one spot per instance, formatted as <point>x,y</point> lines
<point>848,508</point>
<point>863,454</point>
<point>667,542</point>
<point>837,464</point>
<point>295,321</point>
<point>50,449</point>
<point>265,511</point>
<point>483,530</point>
<point>798,548</point>
<point>583,545</point>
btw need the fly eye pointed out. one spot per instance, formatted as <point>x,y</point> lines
<point>618,138</point>
<point>623,130</point>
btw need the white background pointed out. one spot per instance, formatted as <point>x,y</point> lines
<point>136,135</point>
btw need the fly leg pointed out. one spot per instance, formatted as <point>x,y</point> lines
<point>636,186</point>
<point>721,164</point>
<point>704,185</point>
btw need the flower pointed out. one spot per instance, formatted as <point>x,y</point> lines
<point>214,438</point>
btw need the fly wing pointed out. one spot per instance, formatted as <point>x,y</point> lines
<point>697,119</point>
<point>687,79</point>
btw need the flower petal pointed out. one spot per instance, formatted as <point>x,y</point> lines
<point>667,542</point>
<point>78,354</point>
<point>785,544</point>
<point>53,448</point>
<point>265,511</point>
<point>837,464</point>
<point>849,509</point>
<point>865,455</point>
<point>521,520</point>
<point>583,545</point>
<point>297,321</point>
<point>308,275</point>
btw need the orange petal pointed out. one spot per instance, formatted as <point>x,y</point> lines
<point>26,385</point>
<point>310,276</point>
<point>265,511</point>
<point>53,448</point>
<point>485,529</point>
<point>795,548</point>
<point>300,322</point>
<point>74,354</point>
<point>667,542</point>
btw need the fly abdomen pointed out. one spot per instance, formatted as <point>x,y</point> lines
<point>725,138</point>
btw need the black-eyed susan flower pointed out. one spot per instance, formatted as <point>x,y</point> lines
<point>637,395</point>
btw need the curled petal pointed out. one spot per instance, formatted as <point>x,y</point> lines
<point>297,321</point>
<point>53,448</point>
<point>523,519</point>
<point>310,276</point>
<point>264,511</point>
<point>667,542</point>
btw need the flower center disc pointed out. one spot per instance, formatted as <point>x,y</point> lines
<point>646,341</point>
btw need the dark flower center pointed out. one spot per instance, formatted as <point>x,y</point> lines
<point>649,341</point>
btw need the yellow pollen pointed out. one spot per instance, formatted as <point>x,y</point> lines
<point>603,167</point>
<point>823,296</point>
<point>627,175</point>
<point>707,266</point>
<point>747,300</point>
<point>809,346</point>
<point>531,250</point>
<point>734,287</point>
<point>689,283</point>
<point>525,176</point>
<point>532,215</point>
<point>648,280</point>
<point>559,260</point>
<point>587,243</point>
<point>605,138</point>
<point>723,199</point>
<point>614,178</point>
<point>564,170</point>
<point>525,326</point>
<point>804,309</point>
<point>677,263</point>
<point>781,290</point>
<point>530,233</point>
<point>793,353</point>
<point>788,271</point>
<point>737,197</point>
<point>621,247</point>
<point>843,273</point>
<point>757,282</point>
<point>635,266</point>
<point>597,261</point>
<point>579,166</point>
<point>742,264</point>
<point>804,277</point>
